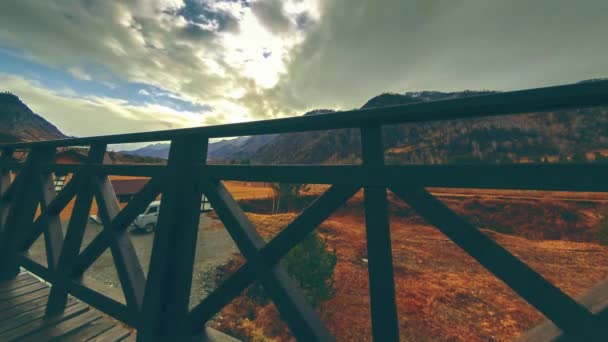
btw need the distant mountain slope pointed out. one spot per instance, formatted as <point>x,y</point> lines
<point>159,150</point>
<point>19,123</point>
<point>576,135</point>
<point>573,135</point>
<point>227,149</point>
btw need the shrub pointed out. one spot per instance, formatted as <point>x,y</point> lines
<point>312,265</point>
<point>250,317</point>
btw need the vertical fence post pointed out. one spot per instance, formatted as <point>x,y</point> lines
<point>385,325</point>
<point>22,208</point>
<point>165,305</point>
<point>5,183</point>
<point>76,229</point>
<point>7,271</point>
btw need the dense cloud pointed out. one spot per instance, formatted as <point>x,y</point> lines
<point>362,48</point>
<point>272,15</point>
<point>260,59</point>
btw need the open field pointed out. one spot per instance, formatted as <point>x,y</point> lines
<point>237,189</point>
<point>442,293</point>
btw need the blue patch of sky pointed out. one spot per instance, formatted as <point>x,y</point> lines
<point>197,12</point>
<point>102,82</point>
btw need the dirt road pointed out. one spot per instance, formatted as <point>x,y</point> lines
<point>214,248</point>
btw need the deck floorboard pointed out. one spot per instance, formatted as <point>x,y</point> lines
<point>22,316</point>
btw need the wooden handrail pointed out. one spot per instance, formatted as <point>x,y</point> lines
<point>514,102</point>
<point>158,306</point>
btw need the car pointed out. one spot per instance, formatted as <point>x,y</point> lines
<point>146,222</point>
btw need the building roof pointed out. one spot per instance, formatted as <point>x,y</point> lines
<point>128,186</point>
<point>78,155</point>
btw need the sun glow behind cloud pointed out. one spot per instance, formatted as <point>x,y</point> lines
<point>178,63</point>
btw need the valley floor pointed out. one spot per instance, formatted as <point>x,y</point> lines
<point>442,293</point>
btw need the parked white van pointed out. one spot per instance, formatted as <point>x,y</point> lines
<point>147,221</point>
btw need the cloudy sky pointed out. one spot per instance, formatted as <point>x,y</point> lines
<point>100,67</point>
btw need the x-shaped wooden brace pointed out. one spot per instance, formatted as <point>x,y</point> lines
<point>7,187</point>
<point>115,236</point>
<point>76,228</point>
<point>115,225</point>
<point>52,205</point>
<point>32,187</point>
<point>574,319</point>
<point>262,260</point>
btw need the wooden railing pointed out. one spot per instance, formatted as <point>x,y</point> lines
<point>157,305</point>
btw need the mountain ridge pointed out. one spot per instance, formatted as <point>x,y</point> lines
<point>19,123</point>
<point>572,135</point>
<point>554,136</point>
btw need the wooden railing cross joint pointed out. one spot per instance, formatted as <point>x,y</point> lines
<point>165,305</point>
<point>385,323</point>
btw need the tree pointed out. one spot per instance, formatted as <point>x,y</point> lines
<point>250,316</point>
<point>284,193</point>
<point>312,265</point>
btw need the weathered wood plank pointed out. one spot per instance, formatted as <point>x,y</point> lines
<point>38,324</point>
<point>131,338</point>
<point>115,334</point>
<point>89,331</point>
<point>27,306</point>
<point>26,317</point>
<point>6,304</point>
<point>22,290</point>
<point>63,327</point>
<point>23,317</point>
<point>17,283</point>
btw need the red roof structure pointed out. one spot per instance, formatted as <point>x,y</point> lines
<point>127,188</point>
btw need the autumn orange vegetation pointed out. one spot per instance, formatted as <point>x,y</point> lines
<point>238,190</point>
<point>442,293</point>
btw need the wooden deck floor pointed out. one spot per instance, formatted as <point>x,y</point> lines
<point>22,306</point>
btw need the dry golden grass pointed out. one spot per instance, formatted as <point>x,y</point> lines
<point>244,192</point>
<point>238,191</point>
<point>442,293</point>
